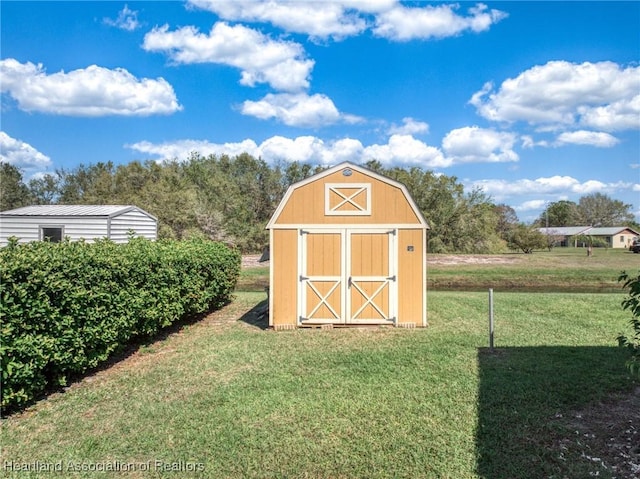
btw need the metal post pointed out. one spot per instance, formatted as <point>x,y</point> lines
<point>491,319</point>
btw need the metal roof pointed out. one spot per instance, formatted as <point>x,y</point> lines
<point>610,231</point>
<point>564,230</point>
<point>585,230</point>
<point>70,210</point>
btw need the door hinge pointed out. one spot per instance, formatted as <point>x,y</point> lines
<point>303,278</point>
<point>391,278</point>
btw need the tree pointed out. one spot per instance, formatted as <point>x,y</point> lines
<point>14,192</point>
<point>598,209</point>
<point>44,190</point>
<point>560,213</point>
<point>507,220</point>
<point>632,303</point>
<point>527,238</point>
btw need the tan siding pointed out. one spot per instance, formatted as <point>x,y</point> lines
<point>410,284</point>
<point>284,257</point>
<point>307,204</point>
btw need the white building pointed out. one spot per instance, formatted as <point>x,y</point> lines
<point>88,222</point>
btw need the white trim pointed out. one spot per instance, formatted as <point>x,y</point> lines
<point>359,169</point>
<point>424,279</point>
<point>42,227</point>
<point>271,275</point>
<point>361,210</point>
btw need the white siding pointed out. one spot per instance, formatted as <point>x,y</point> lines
<point>27,228</point>
<point>136,220</point>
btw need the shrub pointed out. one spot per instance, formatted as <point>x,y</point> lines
<point>66,307</point>
<point>632,303</point>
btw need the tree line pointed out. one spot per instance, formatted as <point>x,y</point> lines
<point>231,199</point>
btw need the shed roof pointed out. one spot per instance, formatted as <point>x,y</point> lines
<point>360,169</point>
<point>108,211</point>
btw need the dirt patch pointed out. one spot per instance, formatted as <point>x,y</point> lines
<point>251,261</point>
<point>606,436</point>
<point>450,259</point>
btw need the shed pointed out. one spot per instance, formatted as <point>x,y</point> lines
<point>347,247</point>
<point>88,222</point>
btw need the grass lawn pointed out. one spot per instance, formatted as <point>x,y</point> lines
<point>233,400</point>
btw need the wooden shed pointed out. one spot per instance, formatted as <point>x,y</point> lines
<point>347,247</point>
<point>88,222</point>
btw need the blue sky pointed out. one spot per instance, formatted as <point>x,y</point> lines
<point>533,102</point>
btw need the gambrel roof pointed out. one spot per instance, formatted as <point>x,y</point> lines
<point>355,168</point>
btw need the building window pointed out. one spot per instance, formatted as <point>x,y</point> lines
<point>621,238</point>
<point>347,199</point>
<point>53,234</point>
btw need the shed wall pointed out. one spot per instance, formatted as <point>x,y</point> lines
<point>412,277</point>
<point>140,223</point>
<point>27,228</point>
<point>284,280</point>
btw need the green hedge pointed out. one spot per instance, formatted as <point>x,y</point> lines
<point>66,307</point>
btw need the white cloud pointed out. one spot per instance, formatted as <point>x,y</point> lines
<point>339,19</point>
<point>431,22</point>
<point>560,94</point>
<point>127,20</point>
<point>93,91</point>
<point>531,205</point>
<point>406,150</point>
<point>479,145</point>
<point>281,64</point>
<point>22,155</point>
<point>554,185</point>
<point>635,187</point>
<point>181,150</point>
<point>400,150</point>
<point>297,109</point>
<point>591,138</point>
<point>316,19</point>
<point>619,115</point>
<point>529,142</point>
<point>409,127</point>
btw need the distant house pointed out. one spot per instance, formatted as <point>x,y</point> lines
<point>88,222</point>
<point>616,236</point>
<point>613,237</point>
<point>564,235</point>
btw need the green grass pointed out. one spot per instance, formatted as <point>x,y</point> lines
<point>240,401</point>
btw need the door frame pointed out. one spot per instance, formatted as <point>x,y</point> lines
<point>345,282</point>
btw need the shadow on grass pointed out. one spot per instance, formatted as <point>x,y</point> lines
<point>257,316</point>
<point>523,393</point>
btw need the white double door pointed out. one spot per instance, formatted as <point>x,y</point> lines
<point>347,276</point>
